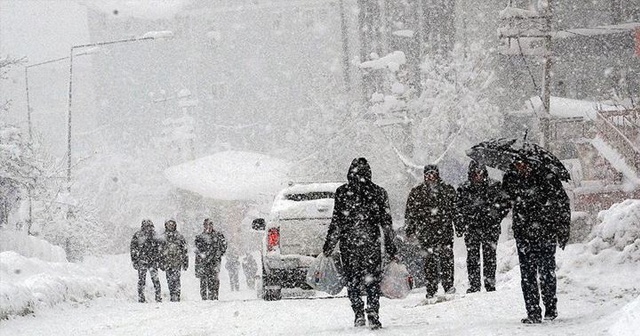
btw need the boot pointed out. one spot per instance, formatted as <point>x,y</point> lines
<point>359,320</point>
<point>472,290</point>
<point>550,314</point>
<point>374,320</point>
<point>531,320</point>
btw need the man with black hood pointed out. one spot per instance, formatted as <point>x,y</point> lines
<point>481,206</point>
<point>145,256</point>
<point>361,210</point>
<point>174,257</point>
<point>541,221</point>
<point>429,217</point>
<point>211,245</point>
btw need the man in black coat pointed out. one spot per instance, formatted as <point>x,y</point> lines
<point>173,247</point>
<point>361,209</point>
<point>210,246</point>
<point>541,221</point>
<point>481,207</point>
<point>429,217</point>
<point>145,256</point>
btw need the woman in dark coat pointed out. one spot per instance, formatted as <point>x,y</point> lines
<point>174,257</point>
<point>481,206</point>
<point>145,256</point>
<point>361,210</point>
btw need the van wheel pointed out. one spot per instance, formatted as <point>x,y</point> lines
<point>274,294</point>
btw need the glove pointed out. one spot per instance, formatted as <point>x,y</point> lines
<point>562,244</point>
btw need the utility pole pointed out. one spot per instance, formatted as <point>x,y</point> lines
<point>546,82</point>
<point>345,48</point>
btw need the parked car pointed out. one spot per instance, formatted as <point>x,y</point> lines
<point>294,233</point>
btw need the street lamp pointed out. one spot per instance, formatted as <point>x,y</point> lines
<point>26,83</point>
<point>154,35</point>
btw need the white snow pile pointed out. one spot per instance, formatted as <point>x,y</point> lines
<point>30,246</point>
<point>29,284</point>
<point>617,237</point>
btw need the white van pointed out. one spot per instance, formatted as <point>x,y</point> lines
<point>294,234</point>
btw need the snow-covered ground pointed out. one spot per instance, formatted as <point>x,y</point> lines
<point>598,292</point>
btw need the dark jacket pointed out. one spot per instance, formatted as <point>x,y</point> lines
<point>173,247</point>
<point>430,213</point>
<point>361,210</point>
<point>209,250</point>
<point>541,210</point>
<point>481,207</point>
<point>145,251</point>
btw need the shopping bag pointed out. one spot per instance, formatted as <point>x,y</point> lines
<point>396,281</point>
<point>324,275</point>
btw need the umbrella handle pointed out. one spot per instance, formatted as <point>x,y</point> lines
<point>524,139</point>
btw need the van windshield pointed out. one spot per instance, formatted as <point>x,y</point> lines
<point>310,196</point>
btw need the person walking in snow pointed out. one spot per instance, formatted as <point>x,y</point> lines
<point>173,248</point>
<point>210,246</point>
<point>232,266</point>
<point>361,212</point>
<point>250,267</point>
<point>541,221</point>
<point>145,256</point>
<point>429,218</point>
<point>481,207</point>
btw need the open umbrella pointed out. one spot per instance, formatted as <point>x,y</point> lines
<point>501,153</point>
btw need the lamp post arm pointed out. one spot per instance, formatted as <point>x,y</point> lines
<point>134,39</point>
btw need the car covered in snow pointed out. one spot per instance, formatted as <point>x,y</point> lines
<point>294,234</point>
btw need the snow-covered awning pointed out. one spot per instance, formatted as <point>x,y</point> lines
<point>231,175</point>
<point>571,108</point>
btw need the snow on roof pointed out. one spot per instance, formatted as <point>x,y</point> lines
<point>392,61</point>
<point>570,108</point>
<point>150,9</point>
<point>231,175</point>
<point>310,187</point>
<point>600,30</point>
<point>513,12</point>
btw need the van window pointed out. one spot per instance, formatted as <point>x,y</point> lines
<point>310,196</point>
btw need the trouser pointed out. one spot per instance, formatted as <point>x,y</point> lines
<point>358,279</point>
<point>488,248</point>
<point>142,282</point>
<point>438,267</point>
<point>173,282</point>
<point>233,281</point>
<point>251,279</point>
<point>209,286</point>
<point>537,259</point>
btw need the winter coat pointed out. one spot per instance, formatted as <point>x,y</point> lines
<point>430,214</point>
<point>209,250</point>
<point>249,266</point>
<point>173,248</point>
<point>481,207</point>
<point>145,251</point>
<point>232,263</point>
<point>541,210</point>
<point>361,210</point>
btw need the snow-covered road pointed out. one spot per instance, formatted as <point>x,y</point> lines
<point>589,304</point>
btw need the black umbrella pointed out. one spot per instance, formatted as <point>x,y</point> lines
<point>501,153</point>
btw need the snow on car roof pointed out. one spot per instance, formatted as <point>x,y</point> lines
<point>309,187</point>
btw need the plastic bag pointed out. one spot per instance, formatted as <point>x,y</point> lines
<point>324,275</point>
<point>396,281</point>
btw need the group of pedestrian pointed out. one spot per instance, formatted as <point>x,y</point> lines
<point>169,253</point>
<point>435,211</point>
